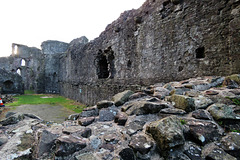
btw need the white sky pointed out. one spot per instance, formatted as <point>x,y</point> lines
<point>30,22</point>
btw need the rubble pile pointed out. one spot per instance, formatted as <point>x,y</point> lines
<point>194,119</point>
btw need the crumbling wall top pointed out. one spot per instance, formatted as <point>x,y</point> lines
<point>23,50</point>
<point>52,47</point>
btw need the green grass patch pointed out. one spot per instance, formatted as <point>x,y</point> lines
<point>29,92</point>
<point>52,100</point>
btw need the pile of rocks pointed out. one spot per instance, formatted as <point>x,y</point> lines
<point>194,119</point>
<point>7,98</point>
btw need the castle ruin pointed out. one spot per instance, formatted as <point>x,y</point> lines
<point>164,40</point>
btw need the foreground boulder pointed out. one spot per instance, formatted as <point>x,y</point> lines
<point>167,132</point>
<point>127,154</point>
<point>104,104</point>
<point>202,132</point>
<point>222,112</point>
<point>145,107</point>
<point>202,102</point>
<point>183,102</point>
<point>121,118</point>
<point>161,92</point>
<point>85,121</point>
<point>89,112</point>
<point>232,81</point>
<point>201,114</point>
<point>192,150</point>
<point>68,144</point>
<point>13,119</point>
<point>44,148</point>
<point>134,126</point>
<point>141,144</point>
<point>108,114</point>
<point>211,151</point>
<point>231,144</point>
<point>120,98</point>
<point>17,140</point>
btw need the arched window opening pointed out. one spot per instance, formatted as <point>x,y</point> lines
<point>19,71</point>
<point>23,62</point>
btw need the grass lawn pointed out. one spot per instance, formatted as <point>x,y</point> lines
<point>30,98</point>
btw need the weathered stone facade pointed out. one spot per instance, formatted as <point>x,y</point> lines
<point>27,62</point>
<point>39,69</point>
<point>10,83</point>
<point>164,40</point>
<point>52,51</point>
<point>161,41</point>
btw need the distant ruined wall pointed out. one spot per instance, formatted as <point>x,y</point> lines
<point>39,69</point>
<point>10,83</point>
<point>162,41</point>
<point>52,51</point>
<point>27,62</point>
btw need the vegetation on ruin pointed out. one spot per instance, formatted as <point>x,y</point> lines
<point>236,101</point>
<point>235,130</point>
<point>182,121</point>
<point>30,98</point>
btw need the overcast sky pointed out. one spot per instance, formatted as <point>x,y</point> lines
<point>30,22</point>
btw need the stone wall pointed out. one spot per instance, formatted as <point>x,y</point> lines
<point>27,62</point>
<point>161,41</point>
<point>39,69</point>
<point>52,51</point>
<point>164,40</point>
<point>10,83</point>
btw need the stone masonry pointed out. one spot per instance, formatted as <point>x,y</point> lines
<point>164,40</point>
<point>161,41</point>
<point>39,69</point>
<point>10,83</point>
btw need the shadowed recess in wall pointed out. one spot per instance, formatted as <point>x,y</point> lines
<point>104,63</point>
<point>102,66</point>
<point>200,52</point>
<point>7,86</point>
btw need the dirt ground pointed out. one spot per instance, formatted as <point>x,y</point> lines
<point>44,111</point>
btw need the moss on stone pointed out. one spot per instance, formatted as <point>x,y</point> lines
<point>234,77</point>
<point>221,112</point>
<point>27,141</point>
<point>167,132</point>
<point>183,102</point>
